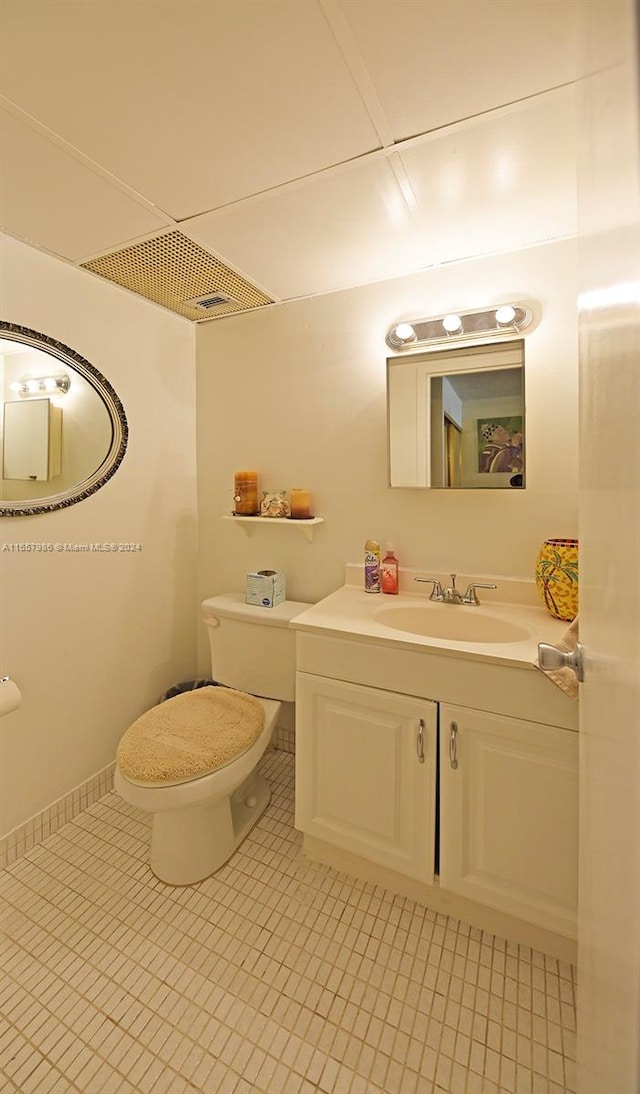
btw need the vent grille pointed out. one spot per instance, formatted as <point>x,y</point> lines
<point>208,302</point>
<point>180,275</point>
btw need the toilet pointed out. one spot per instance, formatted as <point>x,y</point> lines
<point>191,761</point>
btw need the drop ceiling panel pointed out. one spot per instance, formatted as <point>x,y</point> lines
<point>490,185</point>
<point>334,231</point>
<point>53,199</point>
<point>439,61</point>
<point>192,103</point>
<point>499,183</point>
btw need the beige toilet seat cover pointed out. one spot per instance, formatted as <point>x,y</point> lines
<point>190,735</point>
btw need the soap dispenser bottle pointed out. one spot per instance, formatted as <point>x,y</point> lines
<point>389,572</point>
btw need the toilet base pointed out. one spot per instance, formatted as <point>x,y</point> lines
<point>188,845</point>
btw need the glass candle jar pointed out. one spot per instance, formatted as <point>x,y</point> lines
<point>245,494</point>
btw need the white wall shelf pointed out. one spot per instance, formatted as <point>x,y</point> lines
<point>248,524</point>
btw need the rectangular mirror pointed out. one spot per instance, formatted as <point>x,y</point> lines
<point>456,418</point>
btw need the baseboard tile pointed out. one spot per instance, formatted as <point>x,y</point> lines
<point>21,839</point>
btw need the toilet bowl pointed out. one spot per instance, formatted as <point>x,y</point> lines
<point>191,761</point>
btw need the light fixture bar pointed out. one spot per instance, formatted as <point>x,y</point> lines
<point>504,319</point>
<point>42,385</point>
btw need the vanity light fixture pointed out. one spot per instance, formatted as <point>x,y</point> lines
<point>481,323</point>
<point>42,385</point>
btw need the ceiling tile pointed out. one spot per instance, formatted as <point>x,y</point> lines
<point>498,183</point>
<point>54,200</point>
<point>490,185</point>
<point>338,230</point>
<point>439,61</point>
<point>189,102</point>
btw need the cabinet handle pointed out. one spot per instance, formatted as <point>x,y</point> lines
<point>420,741</point>
<point>453,745</point>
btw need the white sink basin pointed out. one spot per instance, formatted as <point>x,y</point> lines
<point>452,622</point>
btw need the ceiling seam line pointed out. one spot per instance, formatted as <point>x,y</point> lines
<point>400,146</point>
<point>345,40</point>
<point>92,165</point>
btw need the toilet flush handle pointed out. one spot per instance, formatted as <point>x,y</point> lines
<point>212,620</point>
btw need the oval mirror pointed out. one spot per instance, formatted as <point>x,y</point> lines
<point>63,430</point>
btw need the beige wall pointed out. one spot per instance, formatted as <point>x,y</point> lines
<point>93,639</point>
<point>298,391</point>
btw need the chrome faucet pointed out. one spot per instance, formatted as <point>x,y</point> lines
<point>451,595</point>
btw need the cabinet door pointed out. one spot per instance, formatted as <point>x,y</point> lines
<point>26,440</point>
<point>509,815</point>
<point>32,447</point>
<point>365,772</point>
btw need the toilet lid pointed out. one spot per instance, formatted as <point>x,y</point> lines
<point>190,735</point>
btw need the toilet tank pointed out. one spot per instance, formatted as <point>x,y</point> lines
<point>252,648</point>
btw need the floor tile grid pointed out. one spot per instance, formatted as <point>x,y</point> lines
<point>346,965</point>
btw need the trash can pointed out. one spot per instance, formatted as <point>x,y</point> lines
<point>187,685</point>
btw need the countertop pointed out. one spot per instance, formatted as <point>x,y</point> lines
<point>350,612</point>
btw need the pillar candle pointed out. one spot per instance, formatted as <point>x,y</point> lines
<point>245,493</point>
<point>300,502</point>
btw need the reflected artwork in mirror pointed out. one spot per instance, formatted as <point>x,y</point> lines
<point>63,430</point>
<point>456,418</point>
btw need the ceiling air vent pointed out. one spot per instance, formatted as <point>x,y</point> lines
<point>178,273</point>
<point>209,301</point>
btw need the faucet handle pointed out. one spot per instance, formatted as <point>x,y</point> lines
<point>436,592</point>
<point>470,597</point>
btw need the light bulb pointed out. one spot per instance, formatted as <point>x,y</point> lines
<point>404,331</point>
<point>505,315</point>
<point>452,324</point>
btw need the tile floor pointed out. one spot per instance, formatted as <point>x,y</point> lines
<point>277,976</point>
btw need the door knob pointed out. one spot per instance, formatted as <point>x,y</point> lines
<point>551,658</point>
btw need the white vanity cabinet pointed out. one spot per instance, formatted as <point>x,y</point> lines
<point>505,819</point>
<point>509,815</point>
<point>366,772</point>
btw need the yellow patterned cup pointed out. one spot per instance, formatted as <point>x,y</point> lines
<point>557,577</point>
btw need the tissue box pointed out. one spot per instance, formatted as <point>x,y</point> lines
<point>266,588</point>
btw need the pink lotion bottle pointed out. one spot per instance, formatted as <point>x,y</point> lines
<point>389,572</point>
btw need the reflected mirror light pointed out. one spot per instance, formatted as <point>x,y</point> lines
<point>58,385</point>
